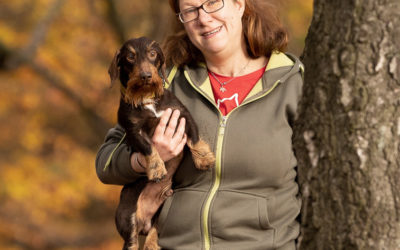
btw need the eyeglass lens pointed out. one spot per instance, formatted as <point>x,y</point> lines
<point>209,6</point>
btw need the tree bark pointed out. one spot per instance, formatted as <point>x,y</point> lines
<point>347,136</point>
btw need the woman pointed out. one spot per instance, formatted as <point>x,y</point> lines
<point>243,93</point>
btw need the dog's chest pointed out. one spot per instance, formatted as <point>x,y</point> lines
<point>152,107</point>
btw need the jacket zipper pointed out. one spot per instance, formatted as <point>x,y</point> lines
<point>217,181</point>
<point>218,168</point>
<point>218,160</point>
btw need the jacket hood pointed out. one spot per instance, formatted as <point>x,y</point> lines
<point>280,67</point>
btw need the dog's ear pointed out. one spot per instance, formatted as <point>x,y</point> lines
<point>164,75</point>
<point>160,56</point>
<point>113,70</point>
<point>162,66</point>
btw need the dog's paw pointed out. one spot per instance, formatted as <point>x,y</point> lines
<point>206,162</point>
<point>151,242</point>
<point>202,155</point>
<point>156,171</point>
<point>155,247</point>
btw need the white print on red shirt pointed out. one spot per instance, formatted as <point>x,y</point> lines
<point>234,97</point>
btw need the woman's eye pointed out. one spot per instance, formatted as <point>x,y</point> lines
<point>211,3</point>
<point>190,11</point>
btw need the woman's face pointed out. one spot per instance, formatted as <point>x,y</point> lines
<point>218,32</point>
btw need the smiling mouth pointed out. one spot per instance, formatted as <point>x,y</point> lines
<point>212,32</point>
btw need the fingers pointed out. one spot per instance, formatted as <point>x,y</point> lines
<point>169,137</point>
<point>180,130</point>
<point>160,129</point>
<point>179,139</point>
<point>173,121</point>
<point>181,145</point>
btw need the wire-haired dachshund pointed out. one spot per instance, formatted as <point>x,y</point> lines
<point>140,67</point>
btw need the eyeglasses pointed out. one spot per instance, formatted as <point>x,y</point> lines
<point>191,14</point>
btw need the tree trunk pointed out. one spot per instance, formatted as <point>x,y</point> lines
<point>347,135</point>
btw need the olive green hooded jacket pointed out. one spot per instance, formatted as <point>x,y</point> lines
<point>250,199</point>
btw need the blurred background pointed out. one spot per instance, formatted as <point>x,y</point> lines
<point>56,105</point>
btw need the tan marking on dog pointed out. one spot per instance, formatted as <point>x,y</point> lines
<point>151,242</point>
<point>150,199</point>
<point>155,166</point>
<point>131,49</point>
<point>147,66</point>
<point>150,46</point>
<point>202,155</point>
<point>134,242</point>
<point>143,218</point>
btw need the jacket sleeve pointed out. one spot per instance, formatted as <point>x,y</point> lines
<point>294,94</point>
<point>113,164</point>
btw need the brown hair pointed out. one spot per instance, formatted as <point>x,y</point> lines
<point>262,29</point>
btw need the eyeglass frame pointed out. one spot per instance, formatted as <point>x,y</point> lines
<point>197,9</point>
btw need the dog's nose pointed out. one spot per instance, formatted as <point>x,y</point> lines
<point>145,75</point>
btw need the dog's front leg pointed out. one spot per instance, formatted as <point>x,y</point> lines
<point>155,167</point>
<point>133,243</point>
<point>151,242</point>
<point>202,154</point>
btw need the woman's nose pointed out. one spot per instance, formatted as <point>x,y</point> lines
<point>203,16</point>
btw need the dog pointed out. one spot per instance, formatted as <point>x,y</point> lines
<point>139,65</point>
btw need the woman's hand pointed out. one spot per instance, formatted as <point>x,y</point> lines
<point>169,139</point>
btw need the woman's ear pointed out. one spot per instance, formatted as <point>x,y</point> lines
<point>241,4</point>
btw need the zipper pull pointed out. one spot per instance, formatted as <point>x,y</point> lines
<point>222,125</point>
<point>223,122</point>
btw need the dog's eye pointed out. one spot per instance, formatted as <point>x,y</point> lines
<point>130,57</point>
<point>152,55</point>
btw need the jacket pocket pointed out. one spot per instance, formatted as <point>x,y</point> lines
<point>239,217</point>
<point>265,211</point>
<point>179,220</point>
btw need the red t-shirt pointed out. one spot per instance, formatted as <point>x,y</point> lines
<point>236,90</point>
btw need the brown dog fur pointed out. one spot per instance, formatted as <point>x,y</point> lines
<point>136,65</point>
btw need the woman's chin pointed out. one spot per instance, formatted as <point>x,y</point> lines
<point>214,49</point>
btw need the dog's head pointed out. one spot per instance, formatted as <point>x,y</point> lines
<point>137,65</point>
